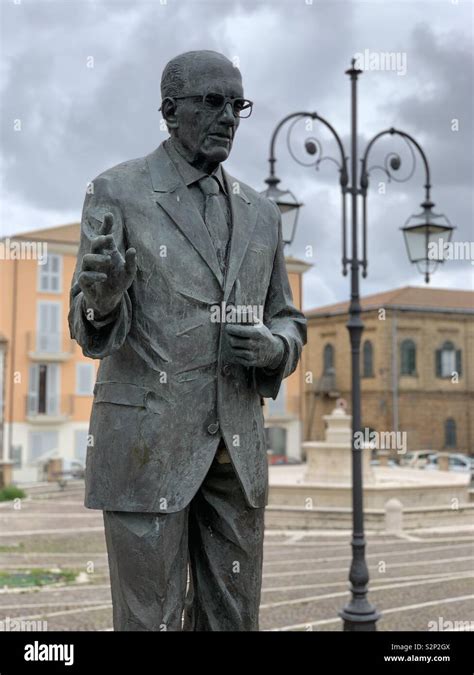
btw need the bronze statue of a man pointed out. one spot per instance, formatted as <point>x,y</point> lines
<point>178,462</point>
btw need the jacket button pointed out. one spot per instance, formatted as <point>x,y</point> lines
<point>213,428</point>
<point>226,369</point>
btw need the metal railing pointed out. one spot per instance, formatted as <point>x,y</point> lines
<point>49,406</point>
<point>49,343</point>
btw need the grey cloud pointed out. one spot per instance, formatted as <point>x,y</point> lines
<point>77,121</point>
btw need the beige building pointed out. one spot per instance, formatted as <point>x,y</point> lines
<point>46,383</point>
<point>284,415</point>
<point>417,366</point>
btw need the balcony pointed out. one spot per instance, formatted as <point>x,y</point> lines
<point>326,385</point>
<point>48,409</point>
<point>49,347</point>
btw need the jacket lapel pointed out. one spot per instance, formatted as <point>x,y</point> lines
<point>173,196</point>
<point>244,218</point>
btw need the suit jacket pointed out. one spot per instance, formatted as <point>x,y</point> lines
<point>164,394</point>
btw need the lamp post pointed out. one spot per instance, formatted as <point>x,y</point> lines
<point>421,231</point>
<point>284,199</point>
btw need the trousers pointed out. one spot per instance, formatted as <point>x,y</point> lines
<point>199,569</point>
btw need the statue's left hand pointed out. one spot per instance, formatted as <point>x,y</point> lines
<point>253,346</point>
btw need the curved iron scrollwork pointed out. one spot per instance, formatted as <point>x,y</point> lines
<point>390,167</point>
<point>313,146</point>
<point>393,162</point>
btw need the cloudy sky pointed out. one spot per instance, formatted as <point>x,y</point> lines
<point>80,93</point>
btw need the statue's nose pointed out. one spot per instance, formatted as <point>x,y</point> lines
<point>227,114</point>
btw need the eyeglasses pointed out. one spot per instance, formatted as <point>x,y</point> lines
<point>241,107</point>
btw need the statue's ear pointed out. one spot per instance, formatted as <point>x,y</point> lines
<point>168,110</point>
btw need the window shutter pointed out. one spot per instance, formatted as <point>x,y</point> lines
<point>438,363</point>
<point>49,326</point>
<point>459,362</point>
<point>32,403</point>
<point>85,379</point>
<point>42,444</point>
<point>42,344</point>
<point>55,340</point>
<point>43,278</point>
<point>36,445</point>
<point>49,274</point>
<point>52,389</point>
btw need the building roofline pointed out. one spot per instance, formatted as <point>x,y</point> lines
<point>405,298</point>
<point>399,308</point>
<point>39,235</point>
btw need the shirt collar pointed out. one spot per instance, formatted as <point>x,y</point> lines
<point>189,173</point>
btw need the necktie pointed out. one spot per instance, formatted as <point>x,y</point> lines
<point>215,218</point>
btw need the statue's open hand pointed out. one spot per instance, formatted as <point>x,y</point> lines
<point>253,346</point>
<point>105,273</point>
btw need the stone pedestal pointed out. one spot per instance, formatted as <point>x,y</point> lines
<point>330,461</point>
<point>55,467</point>
<point>6,473</point>
<point>383,456</point>
<point>443,461</point>
<point>393,516</point>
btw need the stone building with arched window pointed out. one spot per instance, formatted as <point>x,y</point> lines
<point>417,366</point>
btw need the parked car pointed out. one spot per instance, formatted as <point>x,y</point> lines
<point>376,462</point>
<point>275,459</point>
<point>457,462</point>
<point>73,468</point>
<point>417,459</point>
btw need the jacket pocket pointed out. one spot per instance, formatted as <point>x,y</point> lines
<point>124,393</point>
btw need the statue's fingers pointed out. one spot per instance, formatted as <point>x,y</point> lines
<point>96,263</point>
<point>107,224</point>
<point>239,343</point>
<point>131,261</point>
<point>244,358</point>
<point>103,243</point>
<point>87,280</point>
<point>240,331</point>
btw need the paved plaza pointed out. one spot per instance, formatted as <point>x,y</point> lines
<point>421,580</point>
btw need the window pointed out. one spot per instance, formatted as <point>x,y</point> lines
<point>43,444</point>
<point>276,439</point>
<point>49,327</point>
<point>85,373</point>
<point>448,360</point>
<point>367,359</point>
<point>49,274</point>
<point>16,456</point>
<point>80,444</point>
<point>43,396</point>
<point>450,433</point>
<point>328,359</point>
<point>408,358</point>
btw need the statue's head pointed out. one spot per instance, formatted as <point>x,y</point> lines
<point>199,117</point>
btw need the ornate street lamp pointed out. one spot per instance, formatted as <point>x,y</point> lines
<point>421,233</point>
<point>284,199</point>
<point>426,235</point>
<point>288,205</point>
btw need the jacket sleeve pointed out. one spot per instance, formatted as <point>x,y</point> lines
<point>98,339</point>
<point>284,320</point>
